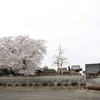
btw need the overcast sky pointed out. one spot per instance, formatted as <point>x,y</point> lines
<point>75,24</point>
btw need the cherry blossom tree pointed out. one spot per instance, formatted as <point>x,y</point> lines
<point>21,53</point>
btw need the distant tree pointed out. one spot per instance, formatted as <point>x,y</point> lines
<point>46,70</point>
<point>21,54</point>
<point>60,59</point>
<point>52,71</point>
<point>72,72</point>
<point>1,73</point>
<point>49,71</point>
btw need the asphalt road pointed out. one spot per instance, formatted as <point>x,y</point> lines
<point>48,95</point>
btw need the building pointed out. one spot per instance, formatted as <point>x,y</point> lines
<point>92,70</point>
<point>39,72</point>
<point>76,68</point>
<point>43,72</point>
<point>62,70</point>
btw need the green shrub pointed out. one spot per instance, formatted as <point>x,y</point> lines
<point>36,84</point>
<point>0,84</point>
<point>44,84</point>
<point>59,84</point>
<point>94,77</point>
<point>48,71</point>
<point>82,84</point>
<point>9,84</point>
<point>24,84</point>
<point>74,83</point>
<point>51,84</point>
<point>30,84</point>
<point>16,84</point>
<point>66,84</point>
<point>4,84</point>
<point>72,72</point>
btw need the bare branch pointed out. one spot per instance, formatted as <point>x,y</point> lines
<point>59,59</point>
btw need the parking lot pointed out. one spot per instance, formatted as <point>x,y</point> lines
<point>48,95</point>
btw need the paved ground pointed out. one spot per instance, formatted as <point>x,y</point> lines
<point>97,80</point>
<point>47,95</point>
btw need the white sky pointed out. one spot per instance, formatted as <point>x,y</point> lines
<point>75,24</point>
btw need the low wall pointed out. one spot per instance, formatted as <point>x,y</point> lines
<point>58,81</point>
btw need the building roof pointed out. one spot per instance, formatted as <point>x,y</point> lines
<point>75,66</point>
<point>93,64</point>
<point>92,68</point>
<point>41,69</point>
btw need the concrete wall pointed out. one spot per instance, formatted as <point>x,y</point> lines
<point>41,81</point>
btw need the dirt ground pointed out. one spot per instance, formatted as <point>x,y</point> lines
<point>48,95</point>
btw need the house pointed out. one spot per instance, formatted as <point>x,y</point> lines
<point>62,70</point>
<point>76,68</point>
<point>39,72</point>
<point>45,71</point>
<point>92,70</point>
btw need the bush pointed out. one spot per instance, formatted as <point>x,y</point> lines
<point>74,83</point>
<point>16,84</point>
<point>66,84</point>
<point>94,77</point>
<point>44,84</point>
<point>30,84</point>
<point>24,84</point>
<point>48,71</point>
<point>52,71</point>
<point>59,84</point>
<point>0,84</point>
<point>82,84</point>
<point>4,84</point>
<point>51,84</point>
<point>72,72</point>
<point>9,84</point>
<point>36,84</point>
